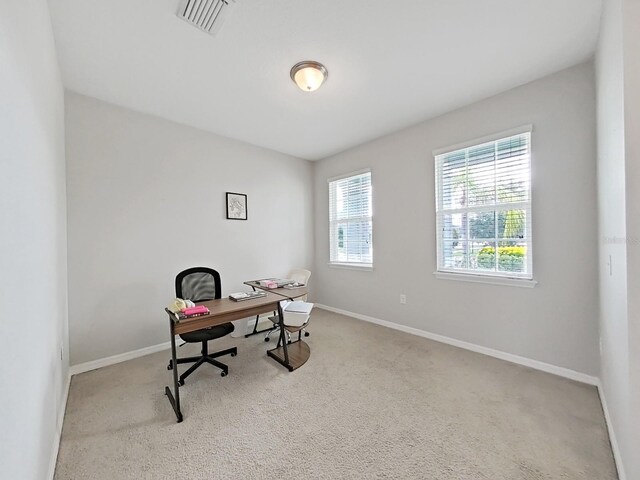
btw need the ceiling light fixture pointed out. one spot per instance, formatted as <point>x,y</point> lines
<point>309,75</point>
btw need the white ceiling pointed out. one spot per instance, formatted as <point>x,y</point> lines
<point>391,63</point>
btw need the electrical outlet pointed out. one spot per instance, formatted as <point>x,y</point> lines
<point>403,298</point>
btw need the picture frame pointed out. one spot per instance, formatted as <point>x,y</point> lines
<point>236,206</point>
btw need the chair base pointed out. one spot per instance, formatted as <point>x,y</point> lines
<point>273,330</point>
<point>276,329</point>
<point>206,357</point>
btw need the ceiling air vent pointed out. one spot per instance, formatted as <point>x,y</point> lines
<point>207,15</point>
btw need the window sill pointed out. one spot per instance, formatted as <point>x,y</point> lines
<point>503,281</point>
<point>352,266</point>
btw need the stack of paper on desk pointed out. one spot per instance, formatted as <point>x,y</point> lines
<point>241,296</point>
<point>275,282</point>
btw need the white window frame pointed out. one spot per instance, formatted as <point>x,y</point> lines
<point>349,265</point>
<point>495,278</point>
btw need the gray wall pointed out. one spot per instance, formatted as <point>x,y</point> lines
<point>146,199</point>
<point>555,322</point>
<point>611,220</point>
<point>33,264</point>
<point>618,77</point>
<point>632,191</point>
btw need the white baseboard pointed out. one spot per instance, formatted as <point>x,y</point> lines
<point>122,357</point>
<point>59,423</point>
<point>509,357</point>
<point>617,457</point>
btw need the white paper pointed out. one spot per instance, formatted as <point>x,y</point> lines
<point>299,307</point>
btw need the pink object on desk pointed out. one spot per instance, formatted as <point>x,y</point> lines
<point>195,310</point>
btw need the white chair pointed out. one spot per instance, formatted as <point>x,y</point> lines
<point>300,276</point>
<point>296,318</point>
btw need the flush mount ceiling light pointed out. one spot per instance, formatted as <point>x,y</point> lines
<point>309,75</point>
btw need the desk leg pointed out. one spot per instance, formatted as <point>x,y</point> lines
<point>283,341</point>
<point>283,336</point>
<point>174,400</point>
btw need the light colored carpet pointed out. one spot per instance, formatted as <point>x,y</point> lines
<point>371,402</point>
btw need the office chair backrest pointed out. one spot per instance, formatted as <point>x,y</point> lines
<point>300,275</point>
<point>198,284</point>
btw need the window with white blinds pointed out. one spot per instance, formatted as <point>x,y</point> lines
<point>350,220</point>
<point>483,208</point>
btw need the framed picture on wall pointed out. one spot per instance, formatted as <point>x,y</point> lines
<point>236,206</point>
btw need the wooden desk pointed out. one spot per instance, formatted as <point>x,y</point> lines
<point>220,311</point>
<point>224,310</point>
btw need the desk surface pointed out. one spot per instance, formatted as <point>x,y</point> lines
<point>290,293</point>
<point>225,310</point>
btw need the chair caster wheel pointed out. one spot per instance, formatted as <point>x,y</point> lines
<point>266,339</point>
<point>181,382</point>
<point>306,334</point>
<point>233,354</point>
<point>223,374</point>
<point>170,366</point>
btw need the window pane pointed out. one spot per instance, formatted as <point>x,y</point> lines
<point>350,219</point>
<point>338,244</point>
<point>454,226</point>
<point>512,164</point>
<point>483,256</point>
<point>454,180</point>
<point>351,197</point>
<point>481,175</point>
<point>512,242</point>
<point>359,242</point>
<point>512,259</point>
<point>483,207</point>
<point>513,224</point>
<point>482,225</point>
<point>454,254</point>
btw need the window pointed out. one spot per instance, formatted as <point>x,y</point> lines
<point>350,225</point>
<point>483,207</point>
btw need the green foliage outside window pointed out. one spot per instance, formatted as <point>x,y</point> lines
<point>510,259</point>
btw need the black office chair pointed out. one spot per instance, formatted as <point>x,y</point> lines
<point>200,284</point>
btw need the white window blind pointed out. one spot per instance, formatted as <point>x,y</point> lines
<point>483,208</point>
<point>350,220</point>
